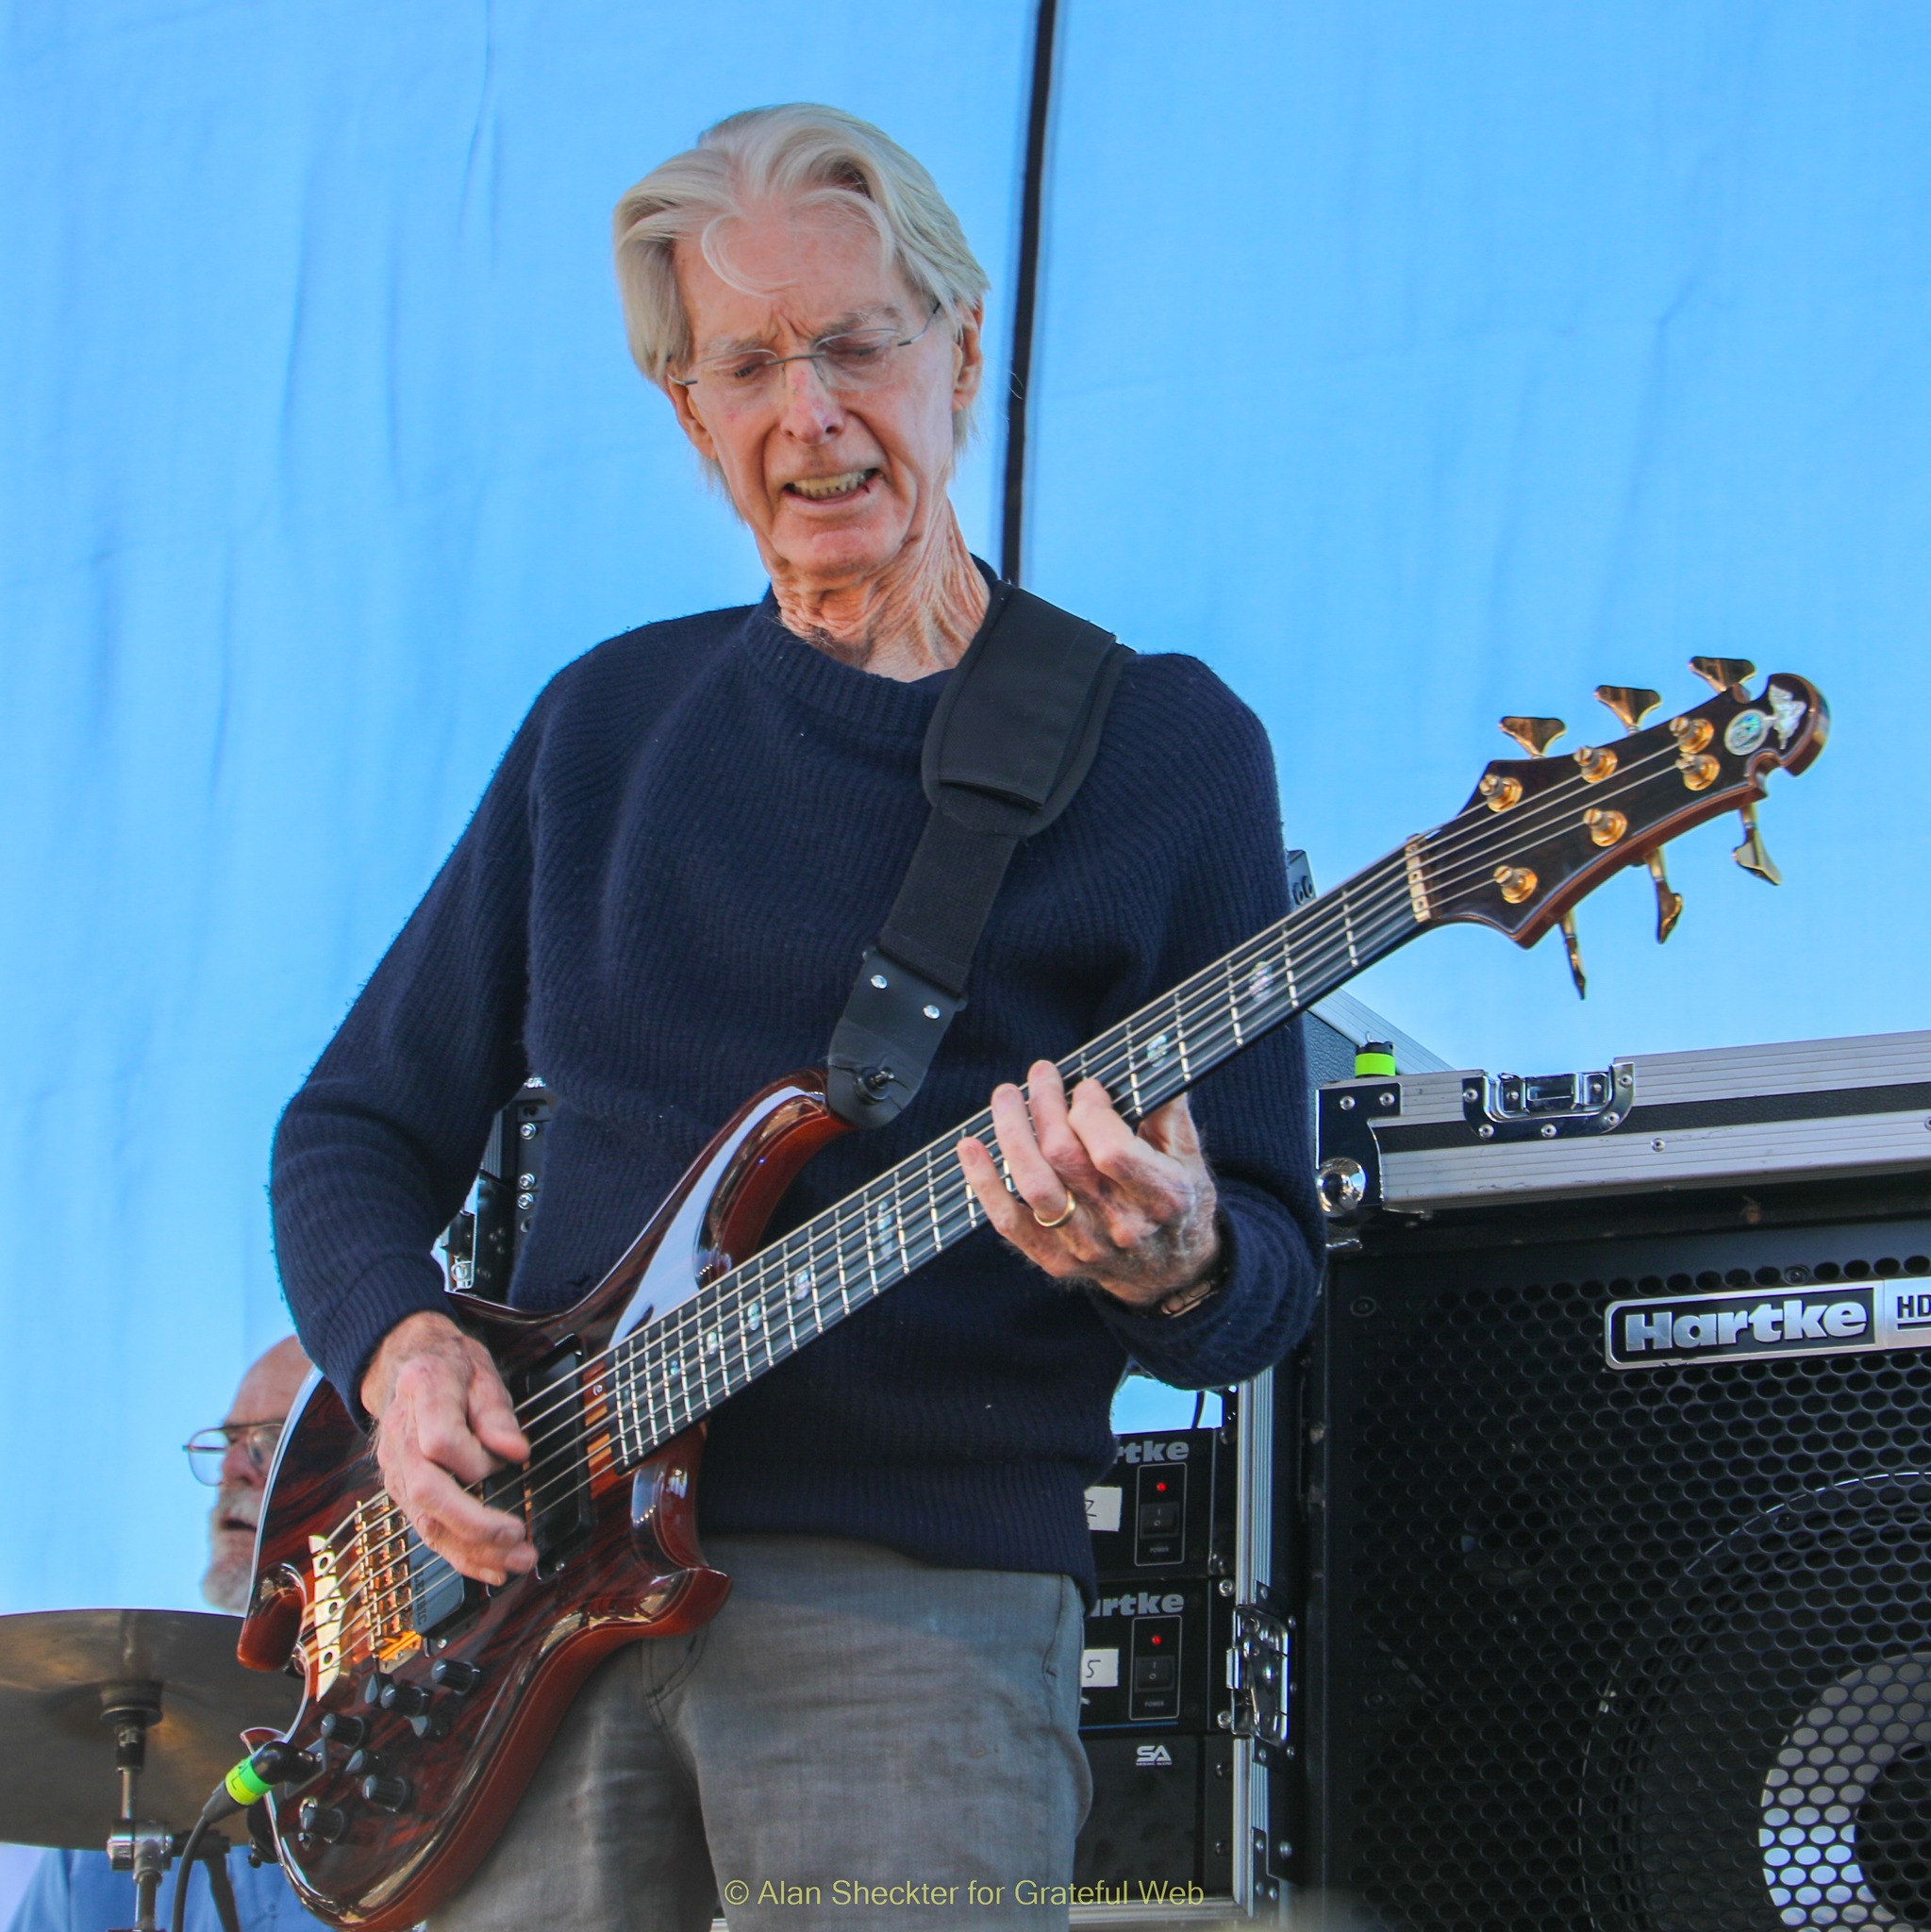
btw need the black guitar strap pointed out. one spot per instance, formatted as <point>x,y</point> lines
<point>1014,734</point>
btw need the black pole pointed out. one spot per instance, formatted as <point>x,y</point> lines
<point>1026,293</point>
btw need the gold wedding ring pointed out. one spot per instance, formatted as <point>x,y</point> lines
<point>1060,1219</point>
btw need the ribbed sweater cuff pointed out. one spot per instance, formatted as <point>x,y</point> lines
<point>389,1291</point>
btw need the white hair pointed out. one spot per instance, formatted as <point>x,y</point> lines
<point>798,155</point>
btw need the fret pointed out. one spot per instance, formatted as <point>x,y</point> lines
<point>798,1294</point>
<point>932,1207</point>
<point>696,1361</point>
<point>878,1226</point>
<point>657,1389</point>
<point>750,1323</point>
<point>673,1366</point>
<point>684,1401</point>
<point>707,1355</point>
<point>740,1326</point>
<point>898,1229</point>
<point>634,1430</point>
<point>620,1405</point>
<point>731,1359</point>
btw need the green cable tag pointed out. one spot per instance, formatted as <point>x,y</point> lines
<point>246,1785</point>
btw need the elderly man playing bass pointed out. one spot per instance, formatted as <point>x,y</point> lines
<point>660,905</point>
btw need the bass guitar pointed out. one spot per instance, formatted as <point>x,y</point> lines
<point>429,1699</point>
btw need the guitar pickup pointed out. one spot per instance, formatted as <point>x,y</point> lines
<point>556,1480</point>
<point>438,1593</point>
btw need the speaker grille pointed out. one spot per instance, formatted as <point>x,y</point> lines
<point>1645,1651</point>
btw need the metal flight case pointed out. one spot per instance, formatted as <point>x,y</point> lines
<point>1184,1709</point>
<point>1611,1563</point>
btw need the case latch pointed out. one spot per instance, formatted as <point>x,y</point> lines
<point>1258,1674</point>
<point>1549,1107</point>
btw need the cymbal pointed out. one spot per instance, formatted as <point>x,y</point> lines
<point>58,1669</point>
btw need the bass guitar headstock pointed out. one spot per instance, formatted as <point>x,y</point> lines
<point>1540,832</point>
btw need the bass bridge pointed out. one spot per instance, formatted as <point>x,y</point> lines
<point>550,1493</point>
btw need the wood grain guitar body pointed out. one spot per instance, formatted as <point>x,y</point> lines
<point>430,1699</point>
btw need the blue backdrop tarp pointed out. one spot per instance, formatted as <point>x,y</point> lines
<point>1410,365</point>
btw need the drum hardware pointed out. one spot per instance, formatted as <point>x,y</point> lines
<point>159,1697</point>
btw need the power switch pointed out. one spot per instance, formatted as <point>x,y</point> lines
<point>1153,1694</point>
<point>1160,1516</point>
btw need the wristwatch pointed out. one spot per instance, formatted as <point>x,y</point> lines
<point>1183,1301</point>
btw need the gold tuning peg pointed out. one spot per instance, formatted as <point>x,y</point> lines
<point>1751,854</point>
<point>1669,904</point>
<point>1535,734</point>
<point>1725,673</point>
<point>1630,702</point>
<point>1574,945</point>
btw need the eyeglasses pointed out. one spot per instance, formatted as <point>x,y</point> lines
<point>208,1449</point>
<point>851,361</point>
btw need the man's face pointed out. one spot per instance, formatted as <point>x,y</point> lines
<point>833,485</point>
<point>266,1395</point>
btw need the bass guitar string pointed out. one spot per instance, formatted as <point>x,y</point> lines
<point>845,1226</point>
<point>849,1217</point>
<point>828,1242</point>
<point>841,1239</point>
<point>897,1202</point>
<point>1482,828</point>
<point>753,1346</point>
<point>1446,843</point>
<point>889,1197</point>
<point>758,1345</point>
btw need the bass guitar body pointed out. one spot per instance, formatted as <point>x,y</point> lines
<point>431,1699</point>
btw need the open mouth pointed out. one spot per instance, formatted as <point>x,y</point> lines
<point>840,488</point>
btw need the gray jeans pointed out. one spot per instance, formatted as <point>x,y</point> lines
<point>856,1739</point>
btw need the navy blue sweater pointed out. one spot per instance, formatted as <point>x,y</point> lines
<point>660,906</point>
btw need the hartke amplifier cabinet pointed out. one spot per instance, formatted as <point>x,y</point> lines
<point>1613,1564</point>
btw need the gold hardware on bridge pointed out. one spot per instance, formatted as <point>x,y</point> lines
<point>1535,734</point>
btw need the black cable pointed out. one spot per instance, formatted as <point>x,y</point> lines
<point>223,1886</point>
<point>1026,291</point>
<point>184,1871</point>
<point>248,1782</point>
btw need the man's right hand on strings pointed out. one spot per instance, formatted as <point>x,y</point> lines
<point>444,1420</point>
